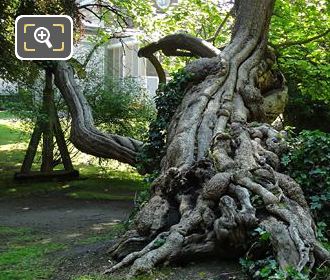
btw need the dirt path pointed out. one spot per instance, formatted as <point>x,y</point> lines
<point>56,216</point>
<point>67,220</point>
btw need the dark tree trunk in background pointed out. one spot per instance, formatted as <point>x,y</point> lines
<point>48,134</point>
<point>222,158</point>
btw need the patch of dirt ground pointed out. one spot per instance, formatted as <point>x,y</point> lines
<point>70,221</point>
<point>62,215</point>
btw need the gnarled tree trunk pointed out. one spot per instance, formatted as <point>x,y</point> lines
<point>220,154</point>
<point>221,157</point>
<point>84,135</point>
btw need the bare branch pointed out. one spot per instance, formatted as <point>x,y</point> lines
<point>107,7</point>
<point>90,54</point>
<point>217,32</point>
<point>84,135</point>
<point>301,42</point>
<point>100,43</point>
<point>177,45</point>
<point>92,12</point>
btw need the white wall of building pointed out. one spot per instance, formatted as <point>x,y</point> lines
<point>121,60</point>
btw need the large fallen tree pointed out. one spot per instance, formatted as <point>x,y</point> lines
<point>220,152</point>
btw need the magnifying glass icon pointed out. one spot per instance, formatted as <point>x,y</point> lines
<point>41,35</point>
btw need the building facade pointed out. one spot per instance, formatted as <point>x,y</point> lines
<point>118,58</point>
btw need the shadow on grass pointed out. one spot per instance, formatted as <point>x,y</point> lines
<point>94,182</point>
<point>89,186</point>
<point>24,254</point>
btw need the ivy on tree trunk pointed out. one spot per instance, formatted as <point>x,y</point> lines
<point>219,178</point>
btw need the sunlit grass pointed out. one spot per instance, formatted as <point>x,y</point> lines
<point>113,181</point>
<point>4,115</point>
<point>23,254</point>
<point>11,130</point>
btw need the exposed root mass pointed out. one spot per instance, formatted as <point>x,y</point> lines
<point>216,207</point>
<point>220,176</point>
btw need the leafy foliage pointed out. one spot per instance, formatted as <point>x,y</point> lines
<point>301,59</point>
<point>202,20</point>
<point>11,68</point>
<point>113,15</point>
<point>268,269</point>
<point>24,102</point>
<point>121,106</point>
<point>304,112</point>
<point>308,162</point>
<point>263,234</point>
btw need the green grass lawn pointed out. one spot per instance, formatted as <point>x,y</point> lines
<point>27,255</point>
<point>24,254</point>
<point>95,182</point>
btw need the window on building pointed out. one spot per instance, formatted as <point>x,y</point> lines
<point>115,62</point>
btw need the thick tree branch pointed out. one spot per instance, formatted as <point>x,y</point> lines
<point>170,44</point>
<point>177,45</point>
<point>159,69</point>
<point>84,135</point>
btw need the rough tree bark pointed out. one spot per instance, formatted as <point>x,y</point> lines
<point>221,155</point>
<point>84,135</point>
<point>177,45</point>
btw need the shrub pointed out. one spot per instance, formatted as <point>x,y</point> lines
<point>121,106</point>
<point>308,162</point>
<point>304,111</point>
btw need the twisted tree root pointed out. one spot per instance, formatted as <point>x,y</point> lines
<point>216,210</point>
<point>220,176</point>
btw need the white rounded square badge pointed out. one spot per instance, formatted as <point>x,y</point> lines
<point>43,37</point>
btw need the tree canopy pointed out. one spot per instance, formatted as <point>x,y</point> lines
<point>300,32</point>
